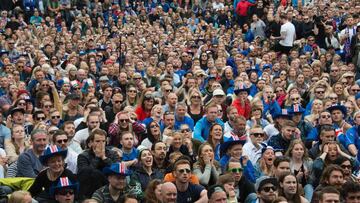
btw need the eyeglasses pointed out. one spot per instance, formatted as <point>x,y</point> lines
<point>45,85</point>
<point>54,117</point>
<point>257,134</point>
<point>196,97</point>
<point>334,70</point>
<point>77,88</point>
<point>295,99</point>
<point>320,92</point>
<point>267,189</point>
<point>21,104</point>
<point>40,118</point>
<point>346,166</point>
<point>355,90</point>
<point>185,130</point>
<point>65,192</point>
<point>153,126</point>
<point>184,170</point>
<point>235,170</point>
<point>124,120</point>
<point>325,116</point>
<point>132,91</point>
<point>62,141</point>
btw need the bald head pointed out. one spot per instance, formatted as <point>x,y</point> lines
<point>168,192</point>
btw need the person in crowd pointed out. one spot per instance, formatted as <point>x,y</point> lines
<point>69,128</point>
<point>29,164</point>
<point>289,188</point>
<point>92,161</point>
<point>153,191</point>
<point>17,145</point>
<point>53,158</point>
<point>228,182</point>
<point>118,184</point>
<point>350,191</point>
<point>264,166</point>
<point>282,141</point>
<point>145,173</point>
<point>253,149</point>
<point>202,127</point>
<point>65,190</point>
<point>266,189</point>
<point>61,139</point>
<point>20,196</point>
<point>168,192</point>
<point>186,191</point>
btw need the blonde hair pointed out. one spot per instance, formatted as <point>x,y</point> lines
<point>18,196</point>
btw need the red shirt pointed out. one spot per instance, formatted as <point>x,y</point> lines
<point>141,113</point>
<point>242,110</point>
<point>242,8</point>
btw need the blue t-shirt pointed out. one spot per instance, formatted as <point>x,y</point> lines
<point>130,156</point>
<point>192,194</point>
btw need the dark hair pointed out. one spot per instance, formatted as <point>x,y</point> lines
<point>96,131</point>
<point>150,136</point>
<point>125,197</point>
<point>155,143</point>
<point>327,171</point>
<point>37,131</point>
<point>296,197</point>
<point>67,123</point>
<point>58,133</point>
<point>349,187</point>
<point>36,113</point>
<point>150,191</point>
<point>281,159</point>
<point>182,160</point>
<point>209,140</point>
<point>329,189</point>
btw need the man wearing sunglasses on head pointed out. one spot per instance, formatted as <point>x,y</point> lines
<point>186,191</point>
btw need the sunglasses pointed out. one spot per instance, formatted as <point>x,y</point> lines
<point>132,91</point>
<point>325,116</point>
<point>116,102</point>
<point>295,99</point>
<point>184,170</point>
<point>196,97</point>
<point>21,104</point>
<point>40,118</point>
<point>235,170</point>
<point>124,120</point>
<point>65,192</point>
<point>267,189</point>
<point>168,90</point>
<point>185,130</point>
<point>257,134</point>
<point>54,117</point>
<point>346,166</point>
<point>153,126</point>
<point>319,92</point>
<point>62,141</point>
<point>47,106</point>
<point>169,113</point>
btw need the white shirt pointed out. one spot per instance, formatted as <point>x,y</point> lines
<point>287,30</point>
<point>81,135</point>
<point>270,131</point>
<point>252,152</point>
<point>71,160</point>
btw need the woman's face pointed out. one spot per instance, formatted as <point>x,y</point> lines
<point>45,98</point>
<point>332,152</point>
<point>146,158</point>
<point>47,106</point>
<point>318,106</point>
<point>149,103</point>
<point>289,185</point>
<point>283,75</point>
<point>155,129</point>
<point>186,131</point>
<point>56,164</point>
<point>217,132</point>
<point>298,151</point>
<point>177,141</point>
<point>18,132</point>
<point>338,89</point>
<point>269,157</point>
<point>195,98</point>
<point>131,92</point>
<point>207,151</point>
<point>257,113</point>
<point>158,192</point>
<point>66,88</point>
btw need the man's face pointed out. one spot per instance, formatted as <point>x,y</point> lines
<point>160,151</point>
<point>65,195</point>
<point>352,197</point>
<point>256,135</point>
<point>98,140</point>
<point>218,197</point>
<point>108,92</point>
<point>18,117</point>
<point>169,195</point>
<point>70,130</point>
<point>235,151</point>
<point>182,173</point>
<point>319,93</point>
<point>287,132</point>
<point>327,136</point>
<point>336,179</point>
<point>93,122</point>
<point>172,100</point>
<point>240,126</point>
<point>212,114</point>
<point>268,192</point>
<point>39,142</point>
<point>336,115</point>
<point>325,118</point>
<point>117,182</point>
<point>169,120</point>
<point>61,141</point>
<point>127,141</point>
<point>236,170</point>
<point>283,167</point>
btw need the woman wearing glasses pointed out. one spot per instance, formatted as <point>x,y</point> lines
<point>153,134</point>
<point>207,169</point>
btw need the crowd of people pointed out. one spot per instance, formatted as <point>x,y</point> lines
<point>251,101</point>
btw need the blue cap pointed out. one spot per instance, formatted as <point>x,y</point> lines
<point>357,96</point>
<point>231,141</point>
<point>51,151</point>
<point>117,169</point>
<point>64,182</point>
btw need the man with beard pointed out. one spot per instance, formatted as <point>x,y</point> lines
<point>266,189</point>
<point>92,121</point>
<point>282,141</point>
<point>117,186</point>
<point>244,189</point>
<point>69,128</point>
<point>186,191</point>
<point>158,150</point>
<point>333,175</point>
